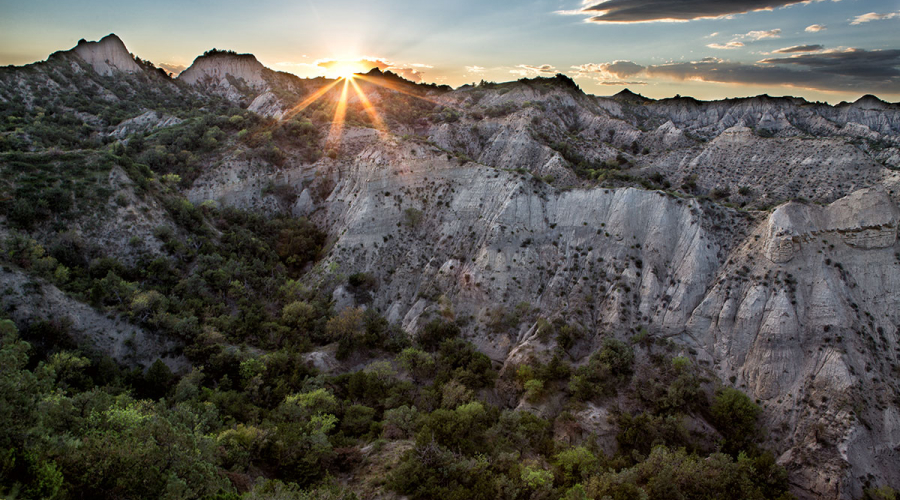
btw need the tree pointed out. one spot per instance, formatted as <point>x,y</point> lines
<point>301,442</point>
<point>417,363</point>
<point>576,464</point>
<point>157,380</point>
<point>735,416</point>
<point>436,331</point>
<point>346,325</point>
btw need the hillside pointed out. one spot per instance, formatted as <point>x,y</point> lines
<point>511,290</point>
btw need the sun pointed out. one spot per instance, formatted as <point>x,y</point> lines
<point>346,69</point>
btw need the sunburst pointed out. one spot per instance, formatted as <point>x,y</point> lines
<point>337,123</point>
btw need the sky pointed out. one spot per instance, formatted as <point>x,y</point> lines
<point>822,50</point>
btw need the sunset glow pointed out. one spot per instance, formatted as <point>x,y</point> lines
<point>716,50</point>
<point>344,69</point>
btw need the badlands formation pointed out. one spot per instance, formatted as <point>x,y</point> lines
<point>758,235</point>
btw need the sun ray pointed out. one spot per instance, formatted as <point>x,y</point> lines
<point>337,124</point>
<point>367,105</point>
<point>397,88</point>
<point>309,100</point>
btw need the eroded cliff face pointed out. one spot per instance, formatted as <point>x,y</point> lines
<point>804,316</point>
<point>798,307</point>
<point>107,56</point>
<point>241,78</point>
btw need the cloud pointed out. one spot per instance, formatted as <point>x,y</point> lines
<point>753,36</point>
<point>848,70</point>
<point>874,16</point>
<point>613,73</point>
<point>614,70</point>
<point>172,69</point>
<point>411,72</point>
<point>544,68</point>
<point>814,28</point>
<point>525,70</point>
<point>643,11</point>
<point>475,69</point>
<point>867,64</point>
<point>729,45</point>
<point>759,35</point>
<point>623,69</point>
<point>854,70</point>
<point>621,83</point>
<point>799,48</point>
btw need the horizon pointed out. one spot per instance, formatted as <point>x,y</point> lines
<point>822,50</point>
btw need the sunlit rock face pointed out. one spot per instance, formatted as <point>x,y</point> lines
<point>107,56</point>
<point>215,69</point>
<point>242,79</point>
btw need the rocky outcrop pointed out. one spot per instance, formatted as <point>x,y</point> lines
<point>215,67</point>
<point>241,78</point>
<point>146,122</point>
<point>107,56</point>
<point>866,219</point>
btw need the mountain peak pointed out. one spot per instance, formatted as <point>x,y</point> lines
<point>216,65</point>
<point>869,101</point>
<point>228,54</point>
<point>629,96</point>
<point>107,56</point>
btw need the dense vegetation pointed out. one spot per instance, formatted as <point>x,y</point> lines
<point>76,425</point>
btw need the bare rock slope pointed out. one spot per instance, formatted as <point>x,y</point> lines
<point>797,306</point>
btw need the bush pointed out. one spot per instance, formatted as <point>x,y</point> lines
<point>576,465</point>
<point>412,217</point>
<point>735,416</point>
<point>617,355</point>
<point>436,331</point>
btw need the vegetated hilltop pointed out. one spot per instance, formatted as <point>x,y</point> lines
<point>503,290</point>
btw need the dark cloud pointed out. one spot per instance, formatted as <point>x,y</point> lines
<point>875,71</point>
<point>799,48</point>
<point>623,69</point>
<point>642,11</point>
<point>851,62</point>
